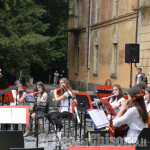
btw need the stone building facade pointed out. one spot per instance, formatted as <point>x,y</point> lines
<point>97,33</point>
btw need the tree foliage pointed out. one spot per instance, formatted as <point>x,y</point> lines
<point>33,35</point>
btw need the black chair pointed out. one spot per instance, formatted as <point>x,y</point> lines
<point>11,139</point>
<point>143,141</point>
<point>40,115</point>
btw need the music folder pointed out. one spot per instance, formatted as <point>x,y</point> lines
<point>98,117</point>
<point>18,114</point>
<point>30,97</point>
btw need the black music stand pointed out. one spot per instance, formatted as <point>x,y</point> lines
<point>84,103</point>
<point>105,91</point>
<point>108,107</point>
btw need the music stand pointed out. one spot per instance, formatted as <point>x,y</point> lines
<point>30,97</point>
<point>83,101</point>
<point>108,107</point>
<point>104,90</point>
<point>8,97</point>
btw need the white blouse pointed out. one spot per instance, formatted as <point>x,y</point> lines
<point>65,103</point>
<point>147,106</point>
<point>133,119</point>
<point>14,96</point>
<point>116,103</point>
<point>42,100</point>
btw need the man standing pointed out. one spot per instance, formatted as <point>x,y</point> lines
<point>56,76</point>
<point>1,73</point>
<point>11,78</point>
<point>140,77</point>
<point>22,79</point>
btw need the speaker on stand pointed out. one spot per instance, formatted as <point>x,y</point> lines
<point>131,56</point>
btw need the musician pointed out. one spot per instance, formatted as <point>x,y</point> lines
<point>65,109</point>
<point>108,82</point>
<point>135,117</point>
<point>17,95</point>
<point>115,101</point>
<point>40,105</point>
<point>147,99</point>
<point>142,85</point>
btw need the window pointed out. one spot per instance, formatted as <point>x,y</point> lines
<point>97,11</point>
<point>95,60</point>
<point>114,61</point>
<point>115,8</point>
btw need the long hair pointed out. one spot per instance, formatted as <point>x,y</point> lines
<point>19,92</point>
<point>148,90</point>
<point>120,95</point>
<point>43,87</point>
<point>65,80</point>
<point>138,102</point>
<point>107,81</point>
<point>142,85</point>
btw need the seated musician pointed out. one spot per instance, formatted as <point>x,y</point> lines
<point>147,98</point>
<point>115,101</point>
<point>108,82</point>
<point>18,94</point>
<point>40,106</point>
<point>135,117</point>
<point>65,109</point>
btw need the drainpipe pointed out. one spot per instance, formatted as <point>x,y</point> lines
<point>136,33</point>
<point>88,35</point>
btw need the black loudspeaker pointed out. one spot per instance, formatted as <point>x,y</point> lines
<point>11,139</point>
<point>26,149</point>
<point>132,53</point>
<point>143,142</point>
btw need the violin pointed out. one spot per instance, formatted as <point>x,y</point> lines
<point>122,130</point>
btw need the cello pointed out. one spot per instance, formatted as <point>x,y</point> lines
<point>122,130</point>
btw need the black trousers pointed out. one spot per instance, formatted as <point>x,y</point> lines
<point>56,118</point>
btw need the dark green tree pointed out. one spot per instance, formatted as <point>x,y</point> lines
<point>33,35</point>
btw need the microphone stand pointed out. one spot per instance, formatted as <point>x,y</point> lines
<point>76,111</point>
<point>16,94</point>
<point>36,123</point>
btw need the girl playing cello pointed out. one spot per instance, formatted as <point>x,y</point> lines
<point>136,117</point>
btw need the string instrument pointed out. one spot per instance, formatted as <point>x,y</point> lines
<point>122,130</point>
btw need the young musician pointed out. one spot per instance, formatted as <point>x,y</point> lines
<point>39,106</point>
<point>115,101</point>
<point>135,117</point>
<point>108,82</point>
<point>147,98</point>
<point>65,109</point>
<point>17,95</point>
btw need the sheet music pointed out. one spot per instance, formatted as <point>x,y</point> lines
<point>29,97</point>
<point>14,114</point>
<point>99,118</point>
<point>18,115</point>
<point>5,115</point>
